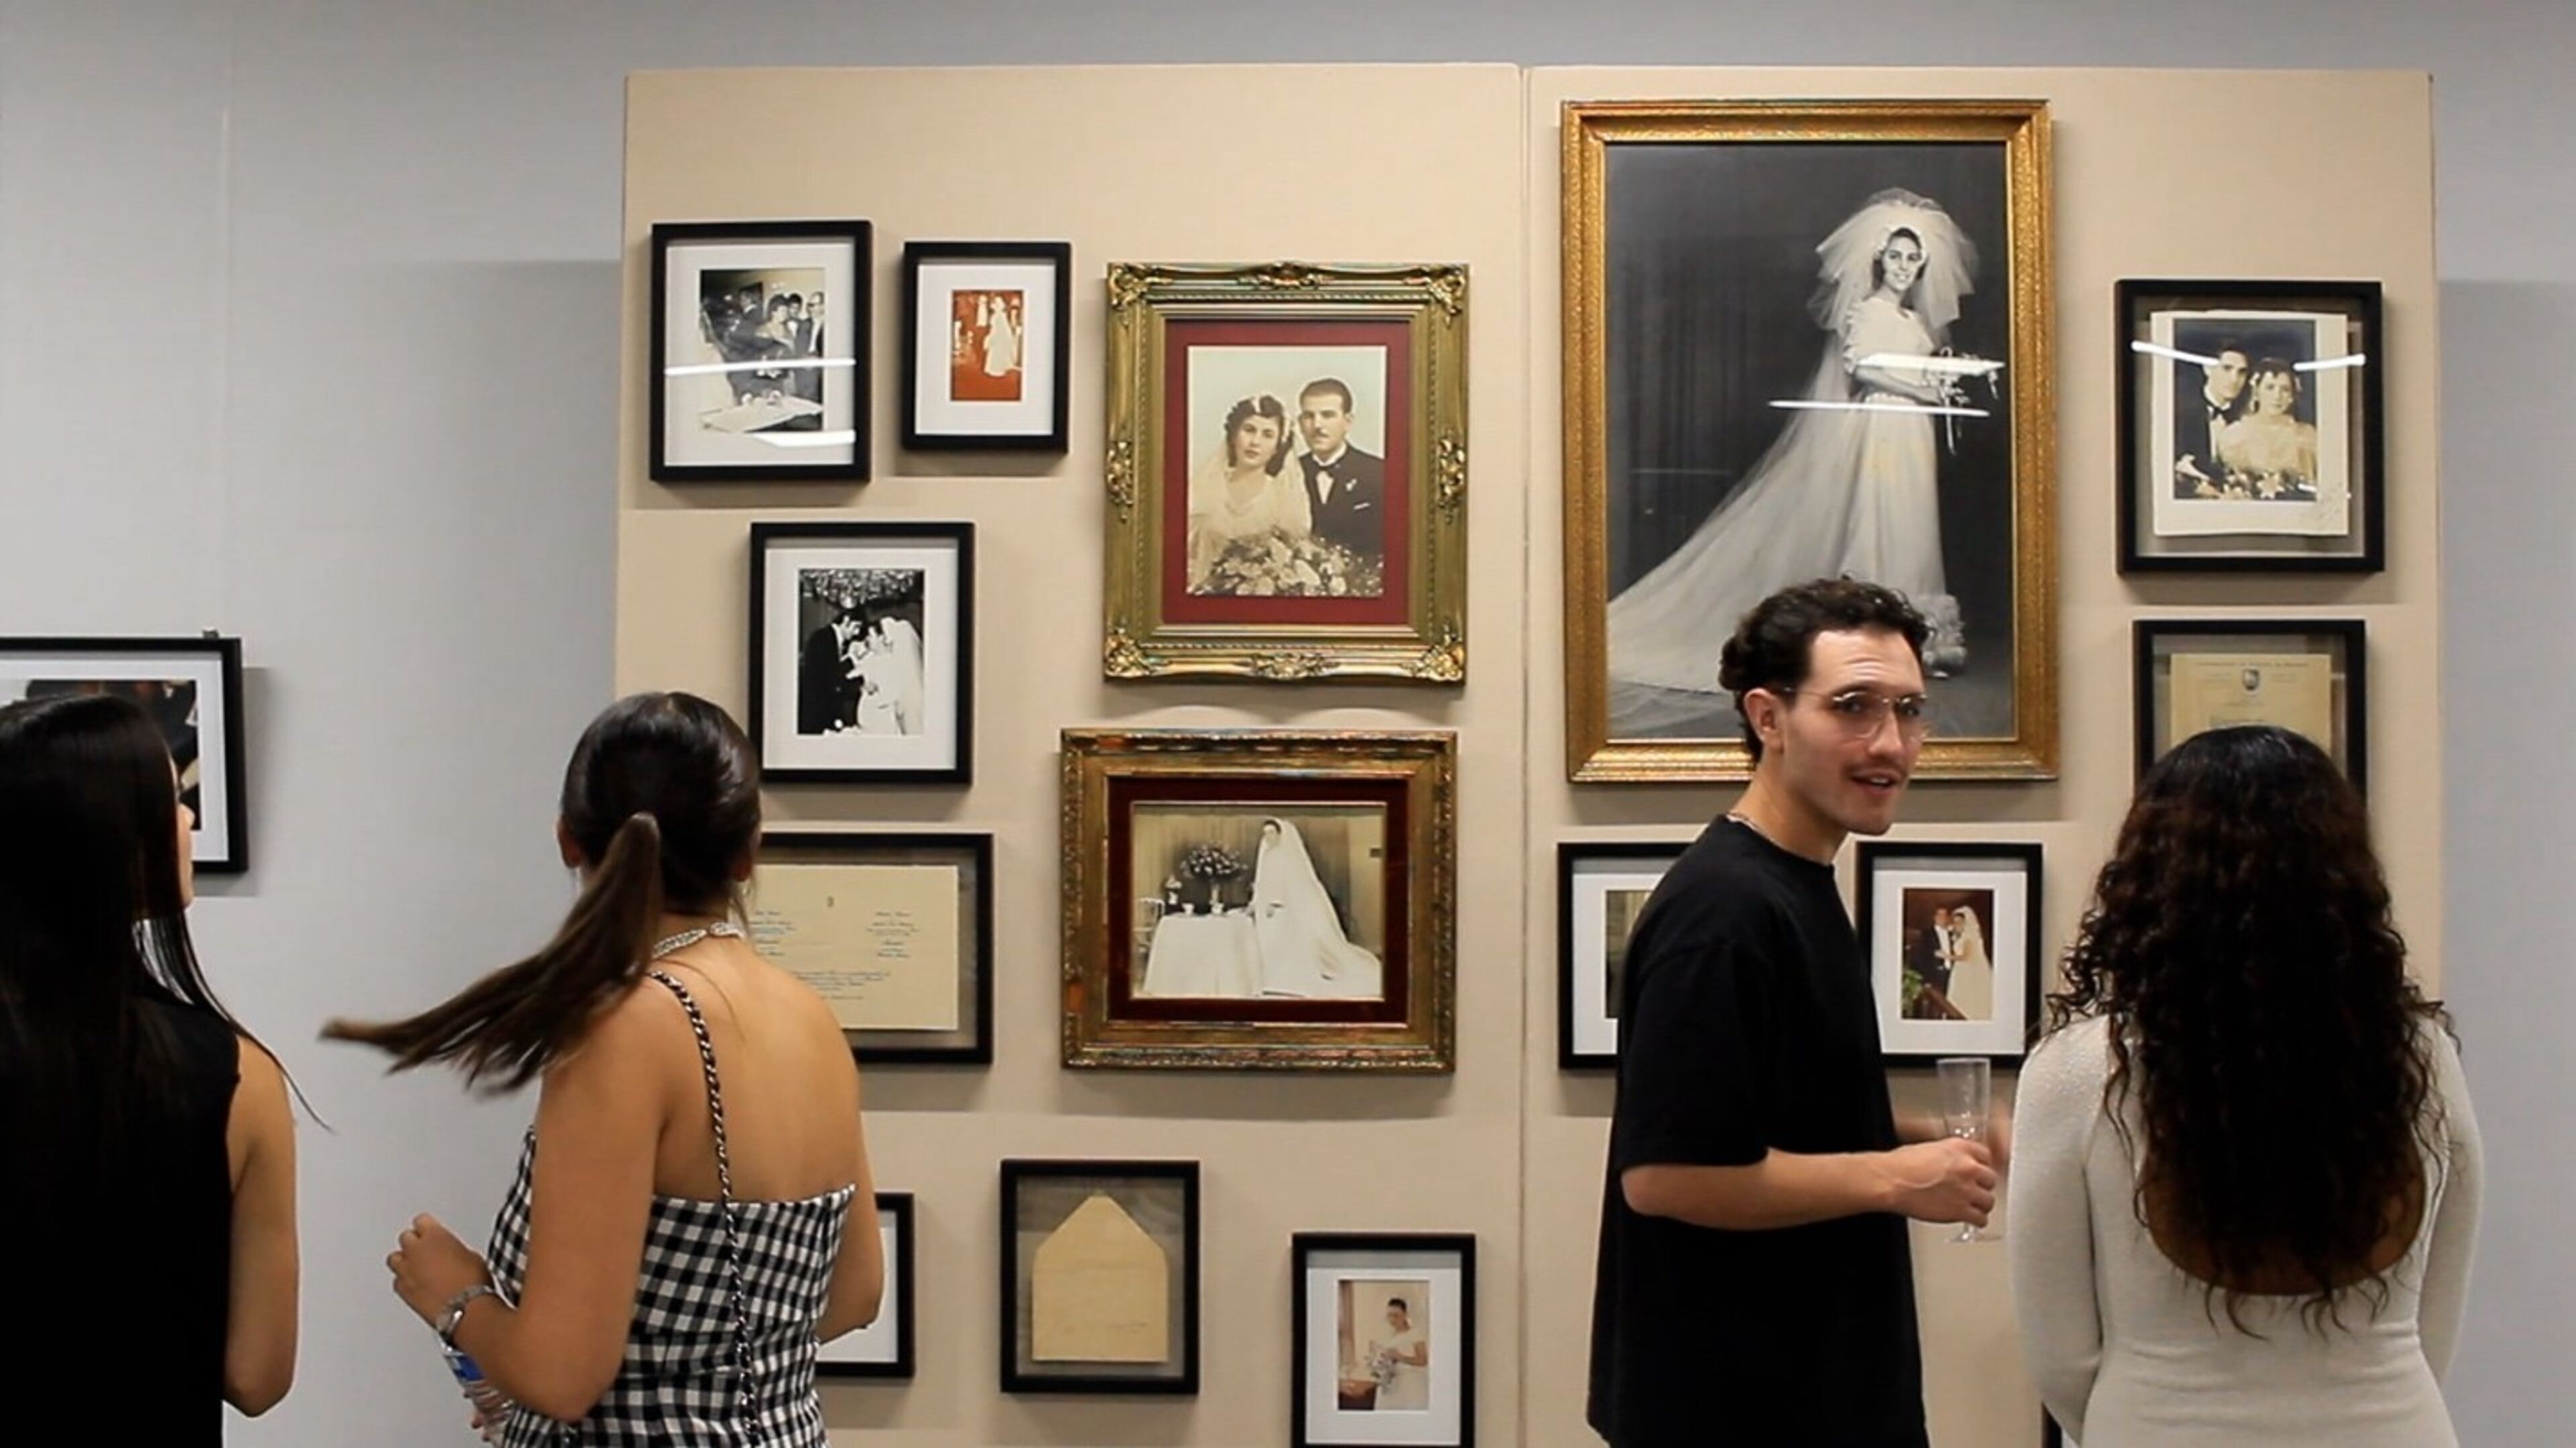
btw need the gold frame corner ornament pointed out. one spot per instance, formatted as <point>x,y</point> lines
<point>2021,127</point>
<point>1430,299</point>
<point>1423,762</point>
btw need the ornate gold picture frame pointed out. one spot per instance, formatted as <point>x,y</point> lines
<point>1260,898</point>
<point>1712,252</point>
<point>1287,471</point>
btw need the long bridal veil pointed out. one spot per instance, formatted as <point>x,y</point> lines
<point>1303,949</point>
<point>1798,513</point>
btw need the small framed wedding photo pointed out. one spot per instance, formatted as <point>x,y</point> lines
<point>1260,898</point>
<point>760,351</point>
<point>1601,885</point>
<point>894,931</point>
<point>883,1348</point>
<point>191,688</point>
<point>1952,931</point>
<point>2251,427</point>
<point>987,344</point>
<point>2307,675</point>
<point>863,652</point>
<point>1100,1277</point>
<point>1385,1328</point>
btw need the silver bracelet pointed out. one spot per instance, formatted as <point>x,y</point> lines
<point>454,1316</point>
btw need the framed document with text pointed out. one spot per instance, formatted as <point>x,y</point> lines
<point>2305,675</point>
<point>895,931</point>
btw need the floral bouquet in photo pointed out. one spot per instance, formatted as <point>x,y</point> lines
<point>1210,868</point>
<point>1285,565</point>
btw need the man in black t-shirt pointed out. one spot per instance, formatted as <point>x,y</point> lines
<point>1754,1284</point>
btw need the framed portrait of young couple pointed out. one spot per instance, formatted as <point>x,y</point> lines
<point>1287,472</point>
<point>1806,340</point>
<point>1260,899</point>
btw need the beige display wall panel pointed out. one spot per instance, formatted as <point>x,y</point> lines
<point>1453,164</point>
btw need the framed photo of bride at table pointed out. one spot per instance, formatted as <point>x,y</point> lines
<point>893,929</point>
<point>1952,931</point>
<point>759,368</point>
<point>1385,1328</point>
<point>1259,899</point>
<point>986,342</point>
<point>863,652</point>
<point>1287,472</point>
<point>2252,435</point>
<point>1806,339</point>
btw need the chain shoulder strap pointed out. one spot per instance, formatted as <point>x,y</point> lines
<point>724,1193</point>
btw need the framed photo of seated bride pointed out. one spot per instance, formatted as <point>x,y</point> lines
<point>1287,472</point>
<point>1259,899</point>
<point>2252,435</point>
<point>863,652</point>
<point>1806,339</point>
<point>1952,930</point>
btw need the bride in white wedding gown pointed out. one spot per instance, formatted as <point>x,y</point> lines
<point>1303,949</point>
<point>1844,489</point>
<point>1972,975</point>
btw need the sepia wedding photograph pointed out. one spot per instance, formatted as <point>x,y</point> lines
<point>862,656</point>
<point>190,688</point>
<point>759,367</point>
<point>1953,934</point>
<point>1805,342</point>
<point>985,344</point>
<point>1263,900</point>
<point>1385,1331</point>
<point>1287,485</point>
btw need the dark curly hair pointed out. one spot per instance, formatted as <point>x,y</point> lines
<point>1774,641</point>
<point>2240,945</point>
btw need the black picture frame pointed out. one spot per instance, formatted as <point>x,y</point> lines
<point>1578,1027</point>
<point>2003,1036</point>
<point>2346,645</point>
<point>835,1360</point>
<point>2156,379</point>
<point>843,251</point>
<point>793,753</point>
<point>924,434</point>
<point>971,1044</point>
<point>219,790</point>
<point>1178,1375</point>
<point>1306,1251</point>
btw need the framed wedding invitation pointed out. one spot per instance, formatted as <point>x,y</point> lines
<point>893,930</point>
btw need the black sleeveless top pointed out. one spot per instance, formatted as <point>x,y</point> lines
<point>134,1277</point>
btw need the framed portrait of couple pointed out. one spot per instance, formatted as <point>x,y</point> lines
<point>1259,899</point>
<point>1953,935</point>
<point>1806,340</point>
<point>1287,471</point>
<point>2252,427</point>
<point>863,652</point>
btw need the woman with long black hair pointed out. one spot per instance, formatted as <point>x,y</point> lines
<point>147,1150</point>
<point>2244,1193</point>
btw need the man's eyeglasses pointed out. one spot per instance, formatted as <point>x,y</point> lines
<point>1862,713</point>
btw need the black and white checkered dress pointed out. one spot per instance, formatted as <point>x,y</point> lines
<point>721,1351</point>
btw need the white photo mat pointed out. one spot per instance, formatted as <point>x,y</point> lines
<point>2008,947</point>
<point>1593,1014</point>
<point>938,743</point>
<point>1451,1336</point>
<point>688,396</point>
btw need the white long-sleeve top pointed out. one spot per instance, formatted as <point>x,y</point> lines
<point>2122,1343</point>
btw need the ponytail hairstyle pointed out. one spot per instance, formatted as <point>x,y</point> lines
<point>93,932</point>
<point>662,803</point>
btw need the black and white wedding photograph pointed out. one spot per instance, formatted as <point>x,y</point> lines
<point>760,356</point>
<point>1259,901</point>
<point>1812,361</point>
<point>191,691</point>
<point>862,655</point>
<point>1287,480</point>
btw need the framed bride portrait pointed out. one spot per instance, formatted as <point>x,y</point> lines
<point>1259,898</point>
<point>1287,472</point>
<point>1952,931</point>
<point>1804,340</point>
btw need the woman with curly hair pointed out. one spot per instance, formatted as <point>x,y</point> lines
<point>2245,1190</point>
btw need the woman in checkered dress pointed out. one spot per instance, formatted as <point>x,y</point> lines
<point>679,1237</point>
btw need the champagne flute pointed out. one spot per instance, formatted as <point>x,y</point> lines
<point>1967,1104</point>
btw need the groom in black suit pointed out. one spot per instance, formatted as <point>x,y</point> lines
<point>1345,487</point>
<point>2200,417</point>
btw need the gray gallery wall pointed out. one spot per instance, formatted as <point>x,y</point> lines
<point>308,317</point>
